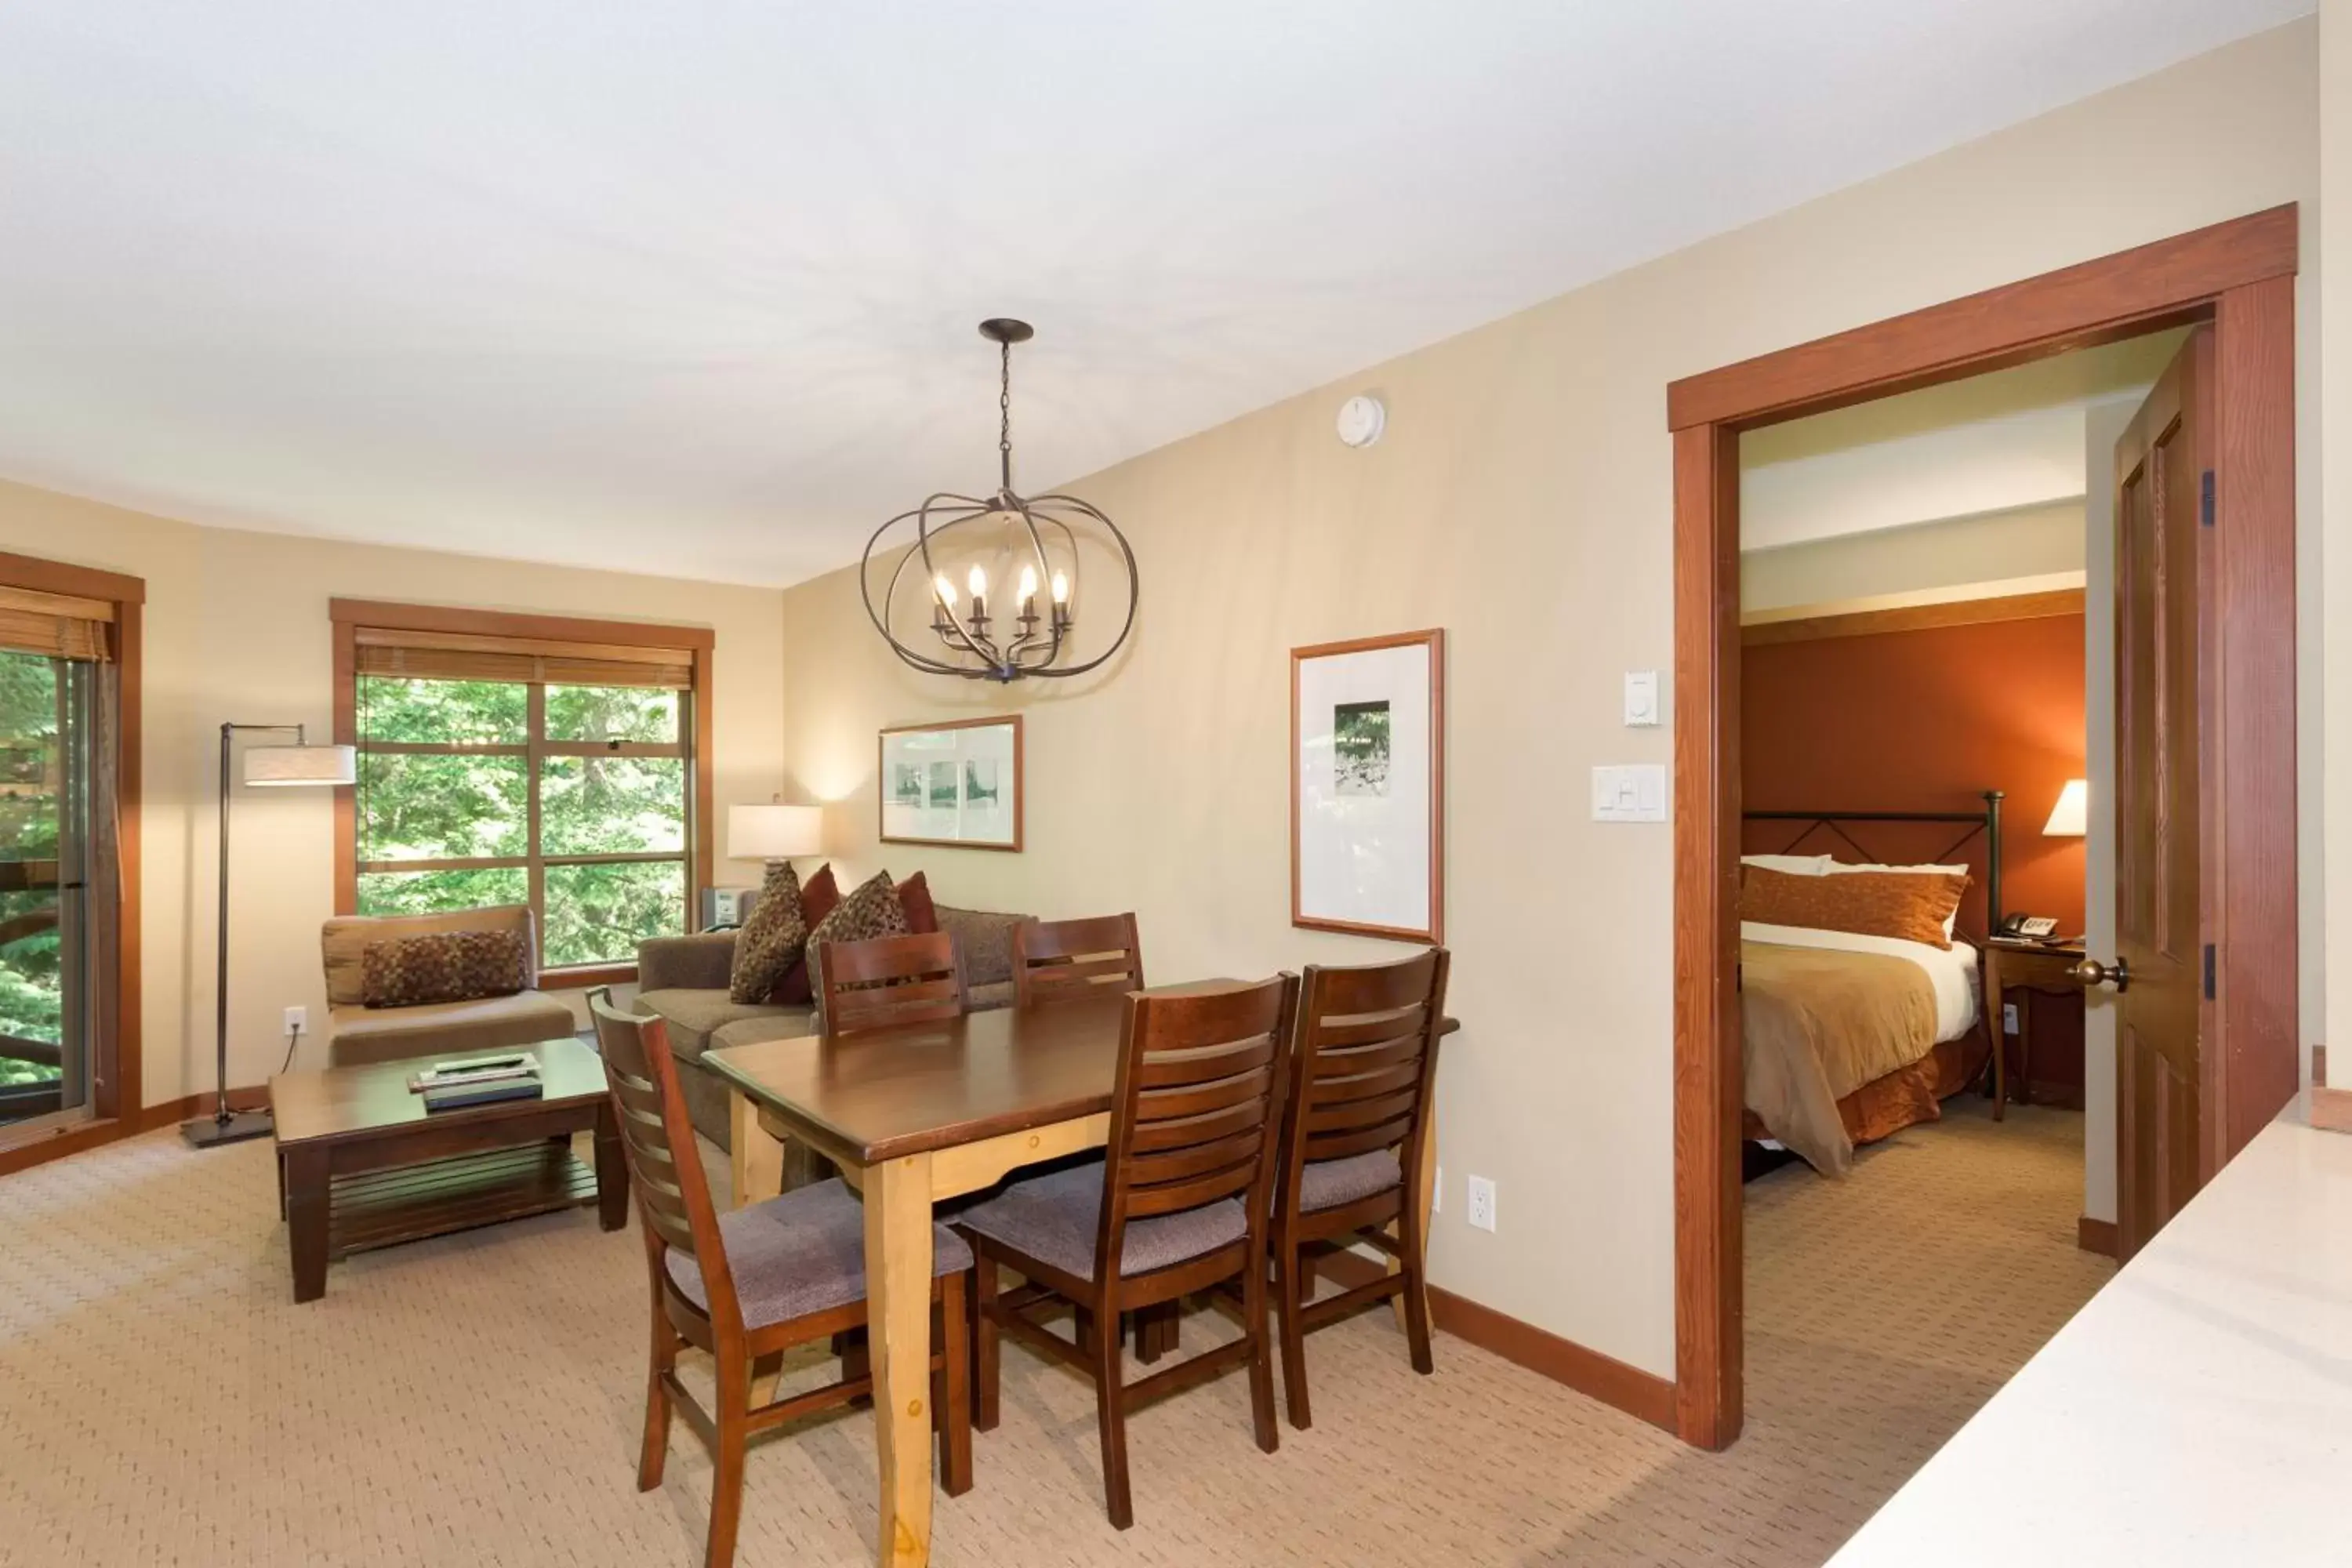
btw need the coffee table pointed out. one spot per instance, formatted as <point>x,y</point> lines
<point>363,1165</point>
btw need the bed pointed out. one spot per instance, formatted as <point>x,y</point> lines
<point>1849,1038</point>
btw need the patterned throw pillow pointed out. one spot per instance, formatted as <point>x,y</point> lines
<point>447,966</point>
<point>872,911</point>
<point>770,940</point>
<point>1910,905</point>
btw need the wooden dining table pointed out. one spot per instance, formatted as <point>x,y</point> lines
<point>913,1114</point>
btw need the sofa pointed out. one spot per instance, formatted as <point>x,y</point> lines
<point>358,1035</point>
<point>683,980</point>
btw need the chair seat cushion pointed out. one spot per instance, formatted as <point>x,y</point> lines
<point>1328,1183</point>
<point>360,1036</point>
<point>1054,1218</point>
<point>801,1253</point>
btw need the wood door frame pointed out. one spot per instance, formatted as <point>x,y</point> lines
<point>2237,275</point>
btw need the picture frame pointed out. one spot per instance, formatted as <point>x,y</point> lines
<point>1368,787</point>
<point>955,784</point>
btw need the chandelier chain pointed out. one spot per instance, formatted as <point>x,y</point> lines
<point>1004,413</point>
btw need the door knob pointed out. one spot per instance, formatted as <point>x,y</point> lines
<point>2091,971</point>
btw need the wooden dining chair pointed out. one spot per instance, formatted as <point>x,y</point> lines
<point>1178,1204</point>
<point>890,980</point>
<point>1355,1130</point>
<point>1060,960</point>
<point>748,1285</point>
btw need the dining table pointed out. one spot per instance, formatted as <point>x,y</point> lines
<point>913,1114</point>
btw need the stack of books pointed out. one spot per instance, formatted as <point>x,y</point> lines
<point>481,1080</point>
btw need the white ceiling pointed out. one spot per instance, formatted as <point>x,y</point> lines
<point>1992,443</point>
<point>691,287</point>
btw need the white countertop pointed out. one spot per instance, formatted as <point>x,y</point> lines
<point>2196,1411</point>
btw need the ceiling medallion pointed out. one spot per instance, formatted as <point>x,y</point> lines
<point>964,547</point>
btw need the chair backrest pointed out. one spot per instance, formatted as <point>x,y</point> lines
<point>1055,961</point>
<point>1360,1072</point>
<point>664,1171</point>
<point>890,980</point>
<point>1197,1106</point>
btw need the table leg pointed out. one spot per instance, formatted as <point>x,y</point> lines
<point>305,1173</point>
<point>898,1316</point>
<point>1423,1183</point>
<point>612,1169</point>
<point>756,1161</point>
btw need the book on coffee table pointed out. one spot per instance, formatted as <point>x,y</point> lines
<point>457,1095</point>
<point>479,1069</point>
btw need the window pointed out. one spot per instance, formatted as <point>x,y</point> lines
<point>496,768</point>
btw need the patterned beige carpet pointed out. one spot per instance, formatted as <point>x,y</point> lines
<point>475,1400</point>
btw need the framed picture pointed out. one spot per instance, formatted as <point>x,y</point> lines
<point>952,783</point>
<point>1368,787</point>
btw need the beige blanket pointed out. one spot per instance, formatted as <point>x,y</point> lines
<point>1818,1024</point>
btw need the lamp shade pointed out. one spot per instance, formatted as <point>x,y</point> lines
<point>2069,818</point>
<point>774,832</point>
<point>292,766</point>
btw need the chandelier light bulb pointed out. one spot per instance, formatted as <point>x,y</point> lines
<point>1028,583</point>
<point>947,591</point>
<point>1061,588</point>
<point>977,582</point>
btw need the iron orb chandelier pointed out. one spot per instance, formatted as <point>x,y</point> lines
<point>964,548</point>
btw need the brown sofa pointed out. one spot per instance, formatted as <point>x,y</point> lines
<point>683,979</point>
<point>358,1033</point>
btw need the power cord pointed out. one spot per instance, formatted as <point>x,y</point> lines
<point>293,1038</point>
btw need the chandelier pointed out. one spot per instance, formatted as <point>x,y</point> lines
<point>965,552</point>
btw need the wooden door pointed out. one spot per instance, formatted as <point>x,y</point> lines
<point>2164,661</point>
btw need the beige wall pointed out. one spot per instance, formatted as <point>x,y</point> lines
<point>236,629</point>
<point>2333,293</point>
<point>1521,499</point>
<point>1927,562</point>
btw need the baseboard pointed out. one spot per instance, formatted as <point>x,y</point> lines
<point>2319,1065</point>
<point>2331,1110</point>
<point>98,1135</point>
<point>1596,1377</point>
<point>2096,1235</point>
<point>188,1107</point>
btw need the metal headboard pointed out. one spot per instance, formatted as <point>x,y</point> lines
<point>1987,822</point>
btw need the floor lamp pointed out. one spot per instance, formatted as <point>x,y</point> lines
<point>279,767</point>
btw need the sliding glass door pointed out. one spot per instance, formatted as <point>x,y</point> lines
<point>53,786</point>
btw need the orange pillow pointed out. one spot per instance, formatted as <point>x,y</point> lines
<point>1911,905</point>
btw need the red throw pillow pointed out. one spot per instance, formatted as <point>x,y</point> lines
<point>915,898</point>
<point>818,895</point>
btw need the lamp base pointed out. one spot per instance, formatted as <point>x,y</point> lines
<point>211,1131</point>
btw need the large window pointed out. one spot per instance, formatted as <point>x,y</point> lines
<point>526,770</point>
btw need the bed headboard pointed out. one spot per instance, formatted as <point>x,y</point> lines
<point>1977,845</point>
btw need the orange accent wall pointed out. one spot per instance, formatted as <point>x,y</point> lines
<point>1925,720</point>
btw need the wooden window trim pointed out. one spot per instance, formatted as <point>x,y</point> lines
<point>2239,276</point>
<point>118,1084</point>
<point>613,637</point>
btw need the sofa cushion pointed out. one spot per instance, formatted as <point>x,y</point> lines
<point>817,900</point>
<point>771,940</point>
<point>695,1015</point>
<point>363,1034</point>
<point>801,1253</point>
<point>1054,1219</point>
<point>343,942</point>
<point>985,940</point>
<point>783,1024</point>
<point>442,966</point>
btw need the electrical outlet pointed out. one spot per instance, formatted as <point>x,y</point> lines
<point>1482,1202</point>
<point>2008,1017</point>
<point>298,1020</point>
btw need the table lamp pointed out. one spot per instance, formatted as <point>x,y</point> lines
<point>773,833</point>
<point>2069,819</point>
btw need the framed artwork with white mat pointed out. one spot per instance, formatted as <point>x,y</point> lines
<point>1368,787</point>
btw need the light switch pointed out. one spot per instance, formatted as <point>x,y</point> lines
<point>1634,792</point>
<point>1642,699</point>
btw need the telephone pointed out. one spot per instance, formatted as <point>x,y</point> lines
<point>2032,928</point>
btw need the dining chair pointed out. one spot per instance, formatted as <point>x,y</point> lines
<point>1178,1204</point>
<point>1059,961</point>
<point>1355,1130</point>
<point>890,980</point>
<point>749,1284</point>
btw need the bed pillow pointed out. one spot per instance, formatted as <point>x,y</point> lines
<point>1951,924</point>
<point>1794,865</point>
<point>1911,906</point>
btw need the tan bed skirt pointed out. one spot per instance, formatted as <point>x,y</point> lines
<point>1908,1095</point>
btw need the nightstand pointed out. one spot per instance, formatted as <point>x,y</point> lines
<point>2012,964</point>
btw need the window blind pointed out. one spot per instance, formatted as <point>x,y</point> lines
<point>458,656</point>
<point>55,626</point>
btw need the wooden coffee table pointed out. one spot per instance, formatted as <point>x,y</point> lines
<point>361,1164</point>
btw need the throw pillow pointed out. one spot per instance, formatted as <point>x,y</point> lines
<point>915,898</point>
<point>817,900</point>
<point>771,940</point>
<point>872,911</point>
<point>1912,906</point>
<point>446,966</point>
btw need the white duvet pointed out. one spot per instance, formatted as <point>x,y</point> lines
<point>1952,971</point>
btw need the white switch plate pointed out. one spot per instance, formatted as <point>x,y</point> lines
<point>1642,699</point>
<point>1631,791</point>
<point>1482,1202</point>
